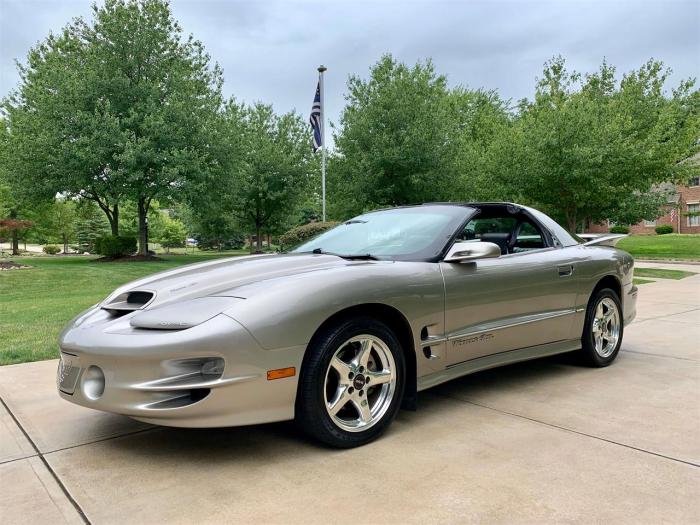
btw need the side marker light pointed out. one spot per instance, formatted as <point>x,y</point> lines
<point>281,372</point>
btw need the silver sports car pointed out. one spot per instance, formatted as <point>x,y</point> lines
<point>345,329</point>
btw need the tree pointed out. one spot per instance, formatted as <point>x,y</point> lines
<point>59,221</point>
<point>393,138</point>
<point>481,132</point>
<point>14,208</point>
<point>172,234</point>
<point>588,145</point>
<point>119,108</point>
<point>91,224</point>
<point>269,167</point>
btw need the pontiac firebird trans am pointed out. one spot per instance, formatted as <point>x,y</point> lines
<point>348,327</point>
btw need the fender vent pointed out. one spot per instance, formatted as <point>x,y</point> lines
<point>128,302</point>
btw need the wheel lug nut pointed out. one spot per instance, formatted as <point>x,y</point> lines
<point>362,369</point>
<point>351,375</point>
<point>367,379</point>
<point>361,392</point>
<point>351,390</point>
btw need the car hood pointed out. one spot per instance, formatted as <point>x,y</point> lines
<point>220,277</point>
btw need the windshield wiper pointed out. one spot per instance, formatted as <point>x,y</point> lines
<point>354,257</point>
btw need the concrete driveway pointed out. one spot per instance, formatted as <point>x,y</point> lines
<point>543,441</point>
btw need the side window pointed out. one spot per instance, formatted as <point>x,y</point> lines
<point>529,238</point>
<point>480,226</point>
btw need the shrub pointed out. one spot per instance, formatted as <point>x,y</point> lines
<point>663,229</point>
<point>620,229</point>
<point>115,245</point>
<point>302,233</point>
<point>51,249</point>
<point>234,242</point>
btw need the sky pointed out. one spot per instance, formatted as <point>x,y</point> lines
<point>269,50</point>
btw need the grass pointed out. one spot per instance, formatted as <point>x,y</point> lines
<point>641,281</point>
<point>671,246</point>
<point>661,273</point>
<point>36,303</point>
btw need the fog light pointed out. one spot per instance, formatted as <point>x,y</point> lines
<point>93,382</point>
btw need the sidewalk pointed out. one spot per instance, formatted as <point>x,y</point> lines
<point>542,441</point>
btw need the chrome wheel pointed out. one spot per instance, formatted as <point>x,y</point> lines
<point>360,383</point>
<point>606,327</point>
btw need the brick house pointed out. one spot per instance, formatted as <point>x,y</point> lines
<point>682,200</point>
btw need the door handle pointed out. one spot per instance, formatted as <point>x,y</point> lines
<point>566,270</point>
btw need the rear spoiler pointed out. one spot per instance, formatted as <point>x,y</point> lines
<point>601,239</point>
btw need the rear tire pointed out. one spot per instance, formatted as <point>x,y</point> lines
<point>603,329</point>
<point>351,383</point>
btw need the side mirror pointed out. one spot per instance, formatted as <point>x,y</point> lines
<point>470,251</point>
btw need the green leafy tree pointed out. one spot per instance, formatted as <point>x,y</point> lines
<point>59,220</point>
<point>172,234</point>
<point>393,138</point>
<point>118,106</point>
<point>16,216</point>
<point>481,128</point>
<point>587,145</point>
<point>268,169</point>
<point>91,224</point>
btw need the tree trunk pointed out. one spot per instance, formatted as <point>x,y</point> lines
<point>65,243</point>
<point>251,246</point>
<point>571,222</point>
<point>258,240</point>
<point>143,226</point>
<point>111,213</point>
<point>114,220</point>
<point>15,243</point>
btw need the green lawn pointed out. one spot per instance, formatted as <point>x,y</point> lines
<point>671,246</point>
<point>36,303</point>
<point>661,273</point>
<point>642,281</point>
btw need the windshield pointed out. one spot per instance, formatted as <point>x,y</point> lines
<point>417,233</point>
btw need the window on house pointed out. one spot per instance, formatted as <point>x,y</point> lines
<point>694,214</point>
<point>695,181</point>
<point>649,224</point>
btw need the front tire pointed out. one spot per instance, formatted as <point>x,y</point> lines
<point>602,332</point>
<point>351,383</point>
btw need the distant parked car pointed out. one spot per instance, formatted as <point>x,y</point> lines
<point>342,330</point>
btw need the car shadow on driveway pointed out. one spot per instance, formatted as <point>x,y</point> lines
<point>236,443</point>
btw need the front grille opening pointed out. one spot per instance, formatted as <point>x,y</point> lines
<point>197,394</point>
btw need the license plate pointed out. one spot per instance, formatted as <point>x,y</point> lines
<point>67,374</point>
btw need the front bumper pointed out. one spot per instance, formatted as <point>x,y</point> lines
<point>155,375</point>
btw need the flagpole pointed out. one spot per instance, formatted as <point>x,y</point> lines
<point>321,70</point>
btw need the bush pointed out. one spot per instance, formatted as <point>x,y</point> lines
<point>302,233</point>
<point>663,229</point>
<point>234,242</point>
<point>620,229</point>
<point>51,249</point>
<point>115,245</point>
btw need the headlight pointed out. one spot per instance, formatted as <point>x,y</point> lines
<point>182,315</point>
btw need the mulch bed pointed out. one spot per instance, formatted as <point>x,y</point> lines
<point>9,265</point>
<point>130,258</point>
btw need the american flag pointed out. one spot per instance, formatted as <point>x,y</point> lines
<point>315,119</point>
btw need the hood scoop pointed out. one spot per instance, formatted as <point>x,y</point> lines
<point>128,302</point>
